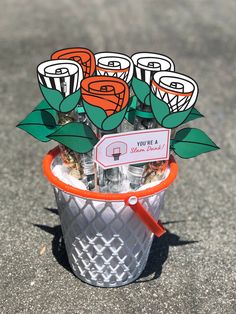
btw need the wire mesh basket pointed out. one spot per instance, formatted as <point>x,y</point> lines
<point>108,236</point>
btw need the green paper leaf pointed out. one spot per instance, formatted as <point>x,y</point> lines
<point>76,136</point>
<point>45,106</point>
<point>172,120</point>
<point>58,102</point>
<point>189,143</point>
<point>70,102</point>
<point>52,96</point>
<point>175,119</point>
<point>160,109</point>
<point>131,111</point>
<point>114,120</point>
<point>142,90</point>
<point>194,114</point>
<point>96,114</point>
<point>39,124</point>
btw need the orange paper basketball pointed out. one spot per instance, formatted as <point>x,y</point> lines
<point>81,55</point>
<point>109,93</point>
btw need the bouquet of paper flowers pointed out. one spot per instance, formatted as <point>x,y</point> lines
<point>87,96</point>
<point>116,119</point>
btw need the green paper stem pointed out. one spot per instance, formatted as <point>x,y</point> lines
<point>144,114</point>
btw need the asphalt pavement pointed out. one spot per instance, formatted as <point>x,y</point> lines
<point>192,268</point>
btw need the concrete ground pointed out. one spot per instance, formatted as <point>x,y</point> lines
<point>192,268</point>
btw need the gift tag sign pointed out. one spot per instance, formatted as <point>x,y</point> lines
<point>133,147</point>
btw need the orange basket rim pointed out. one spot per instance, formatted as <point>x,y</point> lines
<point>55,181</point>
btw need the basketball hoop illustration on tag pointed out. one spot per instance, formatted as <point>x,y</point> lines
<point>116,149</point>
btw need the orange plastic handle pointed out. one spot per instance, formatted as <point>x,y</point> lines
<point>153,225</point>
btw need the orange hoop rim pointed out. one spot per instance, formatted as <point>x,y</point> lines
<point>170,91</point>
<point>112,70</point>
<point>52,154</point>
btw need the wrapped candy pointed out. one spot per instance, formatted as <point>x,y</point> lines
<point>155,171</point>
<point>71,159</point>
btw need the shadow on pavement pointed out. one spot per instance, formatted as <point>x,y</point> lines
<point>159,253</point>
<point>58,245</point>
<point>157,256</point>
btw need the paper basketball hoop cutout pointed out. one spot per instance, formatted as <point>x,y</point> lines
<point>116,149</point>
<point>147,64</point>
<point>83,56</point>
<point>114,64</point>
<point>177,90</point>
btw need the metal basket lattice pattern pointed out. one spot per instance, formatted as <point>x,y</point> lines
<point>107,244</point>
